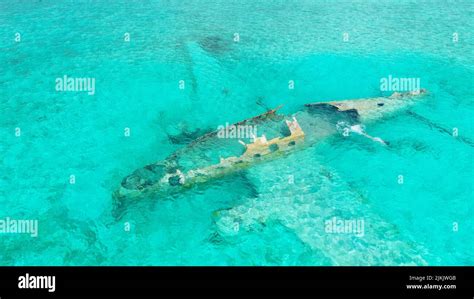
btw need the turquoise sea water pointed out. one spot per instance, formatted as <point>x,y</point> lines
<point>280,223</point>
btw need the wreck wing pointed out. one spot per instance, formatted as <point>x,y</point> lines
<point>303,198</point>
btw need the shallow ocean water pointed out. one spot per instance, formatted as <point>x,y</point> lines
<point>65,134</point>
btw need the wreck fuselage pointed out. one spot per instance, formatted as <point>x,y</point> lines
<point>211,157</point>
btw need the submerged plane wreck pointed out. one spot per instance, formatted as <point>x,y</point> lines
<point>208,157</point>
